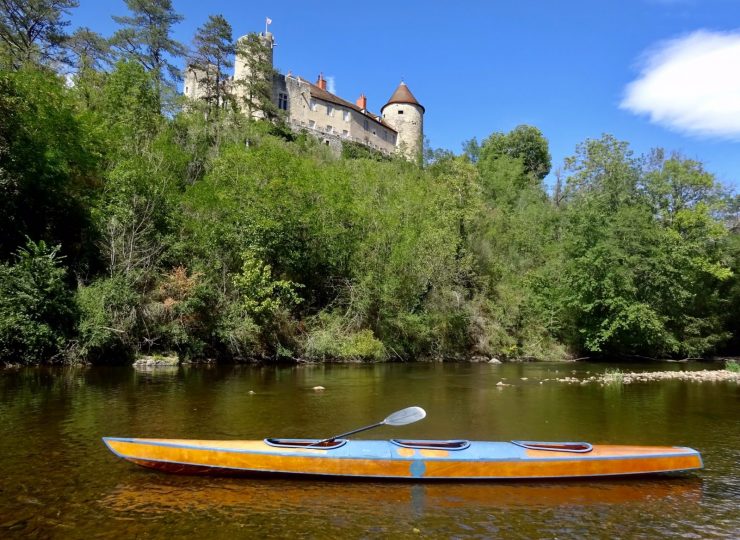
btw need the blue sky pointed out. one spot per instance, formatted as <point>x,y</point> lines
<point>646,71</point>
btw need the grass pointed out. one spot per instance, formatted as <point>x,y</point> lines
<point>732,365</point>
<point>613,376</point>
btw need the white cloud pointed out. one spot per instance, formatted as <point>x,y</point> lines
<point>691,84</point>
<point>331,84</point>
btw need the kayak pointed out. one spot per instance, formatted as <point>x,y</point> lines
<point>401,459</point>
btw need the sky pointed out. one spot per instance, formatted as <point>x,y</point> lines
<point>655,73</point>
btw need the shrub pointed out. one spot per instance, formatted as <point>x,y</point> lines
<point>108,327</point>
<point>331,340</point>
<point>36,307</point>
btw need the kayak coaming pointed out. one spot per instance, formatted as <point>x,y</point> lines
<point>385,460</point>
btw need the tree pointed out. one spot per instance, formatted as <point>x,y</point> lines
<point>255,89</point>
<point>36,308</point>
<point>643,267</point>
<point>90,52</point>
<point>471,148</point>
<point>145,37</point>
<point>214,49</point>
<point>48,165</point>
<point>33,30</point>
<point>524,142</point>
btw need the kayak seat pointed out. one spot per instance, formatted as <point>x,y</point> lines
<point>305,443</point>
<point>576,447</point>
<point>433,445</point>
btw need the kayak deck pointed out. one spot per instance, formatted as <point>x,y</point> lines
<point>416,460</point>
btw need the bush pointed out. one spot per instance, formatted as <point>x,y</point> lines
<point>36,307</point>
<point>332,340</point>
<point>108,325</point>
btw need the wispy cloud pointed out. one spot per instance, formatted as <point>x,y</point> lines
<point>331,84</point>
<point>691,84</point>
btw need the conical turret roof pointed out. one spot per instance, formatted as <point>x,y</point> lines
<point>403,95</point>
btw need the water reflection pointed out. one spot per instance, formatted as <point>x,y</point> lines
<point>155,495</point>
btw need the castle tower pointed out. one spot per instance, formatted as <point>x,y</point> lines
<point>245,61</point>
<point>406,115</point>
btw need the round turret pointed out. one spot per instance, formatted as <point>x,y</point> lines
<point>406,115</point>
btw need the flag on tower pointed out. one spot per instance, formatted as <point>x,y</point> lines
<point>268,20</point>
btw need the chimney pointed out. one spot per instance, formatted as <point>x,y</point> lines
<point>321,82</point>
<point>362,102</point>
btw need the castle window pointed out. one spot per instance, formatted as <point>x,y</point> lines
<point>400,112</point>
<point>346,116</point>
<point>311,124</point>
<point>367,125</point>
<point>186,89</point>
<point>312,105</point>
<point>329,129</point>
<point>345,133</point>
<point>329,110</point>
<point>283,101</point>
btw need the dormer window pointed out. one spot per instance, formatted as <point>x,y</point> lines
<point>400,112</point>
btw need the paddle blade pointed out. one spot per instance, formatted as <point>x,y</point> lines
<point>409,415</point>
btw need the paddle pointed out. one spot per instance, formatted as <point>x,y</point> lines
<point>409,415</point>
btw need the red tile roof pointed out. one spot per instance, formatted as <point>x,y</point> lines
<point>325,95</point>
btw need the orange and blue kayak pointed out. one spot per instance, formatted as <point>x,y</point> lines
<point>399,459</point>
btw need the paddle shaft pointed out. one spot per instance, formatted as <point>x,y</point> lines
<point>348,433</point>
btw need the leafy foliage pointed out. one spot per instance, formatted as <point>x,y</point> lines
<point>144,36</point>
<point>32,31</point>
<point>36,309</point>
<point>210,233</point>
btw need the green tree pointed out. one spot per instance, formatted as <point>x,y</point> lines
<point>523,142</point>
<point>48,166</point>
<point>641,270</point>
<point>36,308</point>
<point>213,52</point>
<point>90,54</point>
<point>33,30</point>
<point>255,88</point>
<point>145,36</point>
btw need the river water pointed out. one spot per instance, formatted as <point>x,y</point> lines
<point>59,481</point>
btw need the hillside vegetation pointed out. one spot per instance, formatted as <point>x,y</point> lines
<point>133,222</point>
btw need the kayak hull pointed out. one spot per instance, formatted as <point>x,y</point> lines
<point>386,460</point>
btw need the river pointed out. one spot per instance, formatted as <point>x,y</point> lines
<point>59,481</point>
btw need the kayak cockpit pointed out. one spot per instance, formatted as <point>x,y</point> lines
<point>576,447</point>
<point>458,444</point>
<point>316,444</point>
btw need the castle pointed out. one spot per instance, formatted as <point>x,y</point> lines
<point>312,108</point>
